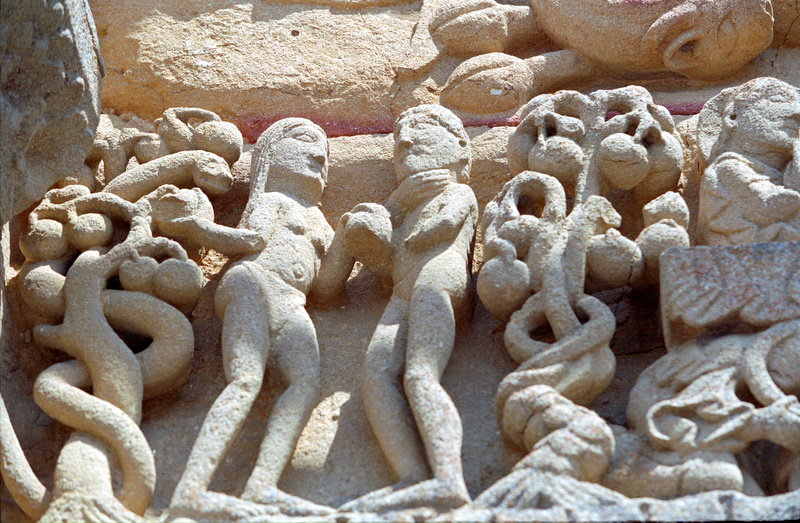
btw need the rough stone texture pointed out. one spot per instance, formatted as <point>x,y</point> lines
<point>50,97</point>
<point>352,68</point>
<point>344,69</point>
<point>728,288</point>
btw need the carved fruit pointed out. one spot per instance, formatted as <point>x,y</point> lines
<point>44,241</point>
<point>670,206</point>
<point>41,287</point>
<point>657,238</point>
<point>368,236</point>
<point>503,287</point>
<point>622,162</point>
<point>557,156</point>
<point>613,260</point>
<point>90,230</point>
<point>489,83</point>
<point>178,282</point>
<point>138,275</point>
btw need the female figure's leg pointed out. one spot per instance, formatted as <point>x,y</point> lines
<point>297,357</point>
<point>245,346</point>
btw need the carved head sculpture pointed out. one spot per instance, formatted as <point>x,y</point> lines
<point>429,137</point>
<point>758,119</point>
<point>614,139</point>
<point>707,39</point>
<point>291,157</point>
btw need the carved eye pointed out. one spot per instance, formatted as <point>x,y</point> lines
<point>305,136</point>
<point>688,47</point>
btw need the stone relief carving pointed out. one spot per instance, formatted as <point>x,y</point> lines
<point>421,240</point>
<point>551,236</point>
<point>109,277</point>
<point>697,38</point>
<point>702,403</point>
<point>289,250</point>
<point>51,80</point>
<point>540,256</point>
<point>75,242</point>
<point>748,138</point>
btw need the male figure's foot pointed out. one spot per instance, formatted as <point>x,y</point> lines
<point>287,504</point>
<point>201,505</point>
<point>433,493</point>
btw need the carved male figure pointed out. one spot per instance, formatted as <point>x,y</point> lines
<point>750,191</point>
<point>261,300</point>
<point>421,239</point>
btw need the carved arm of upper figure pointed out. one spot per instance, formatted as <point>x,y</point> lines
<point>701,39</point>
<point>499,26</point>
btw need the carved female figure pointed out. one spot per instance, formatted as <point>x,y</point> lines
<point>262,300</point>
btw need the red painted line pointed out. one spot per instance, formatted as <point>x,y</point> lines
<point>252,126</point>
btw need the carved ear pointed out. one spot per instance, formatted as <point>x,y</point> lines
<point>671,24</point>
<point>709,126</point>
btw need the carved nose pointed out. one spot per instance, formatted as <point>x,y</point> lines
<point>319,158</point>
<point>403,143</point>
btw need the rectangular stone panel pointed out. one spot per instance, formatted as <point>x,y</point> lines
<point>707,290</point>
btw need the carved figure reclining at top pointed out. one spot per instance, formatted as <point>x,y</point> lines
<point>420,240</point>
<point>74,243</point>
<point>702,39</point>
<point>750,141</point>
<point>261,300</point>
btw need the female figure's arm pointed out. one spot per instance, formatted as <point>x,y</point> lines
<point>335,268</point>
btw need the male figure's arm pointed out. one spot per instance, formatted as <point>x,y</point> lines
<point>459,204</point>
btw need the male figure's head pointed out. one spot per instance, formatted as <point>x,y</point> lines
<point>761,119</point>
<point>765,112</point>
<point>429,137</point>
<point>291,157</point>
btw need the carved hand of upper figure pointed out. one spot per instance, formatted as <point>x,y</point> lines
<point>749,138</point>
<point>701,39</point>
